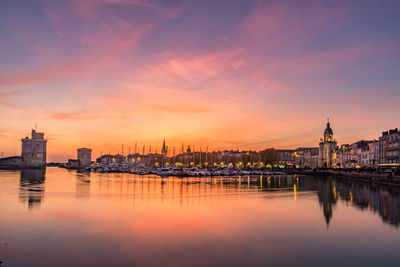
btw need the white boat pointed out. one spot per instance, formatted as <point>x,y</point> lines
<point>164,172</point>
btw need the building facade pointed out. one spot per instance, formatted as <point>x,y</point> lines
<point>72,164</point>
<point>286,157</point>
<point>389,147</point>
<point>359,154</point>
<point>84,157</point>
<point>306,157</point>
<point>342,156</point>
<point>34,150</point>
<point>327,146</point>
<point>374,155</point>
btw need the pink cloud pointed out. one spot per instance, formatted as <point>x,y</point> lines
<point>88,8</point>
<point>60,34</point>
<point>38,76</point>
<point>195,68</point>
<point>178,109</point>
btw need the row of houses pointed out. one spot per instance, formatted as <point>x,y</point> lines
<point>234,158</point>
<point>370,153</point>
<point>364,153</point>
<point>304,157</point>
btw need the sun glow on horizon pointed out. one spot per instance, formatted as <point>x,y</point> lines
<point>243,75</point>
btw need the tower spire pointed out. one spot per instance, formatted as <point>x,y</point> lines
<point>164,149</point>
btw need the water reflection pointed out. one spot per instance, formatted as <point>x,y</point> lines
<point>117,219</point>
<point>31,188</point>
<point>384,200</point>
<point>82,188</point>
<point>326,197</point>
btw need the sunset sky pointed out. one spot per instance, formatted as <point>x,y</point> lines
<point>223,74</point>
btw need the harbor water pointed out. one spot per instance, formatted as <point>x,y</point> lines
<point>59,217</point>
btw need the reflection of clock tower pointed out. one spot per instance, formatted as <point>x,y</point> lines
<point>326,147</point>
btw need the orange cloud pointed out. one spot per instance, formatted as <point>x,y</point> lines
<point>178,109</point>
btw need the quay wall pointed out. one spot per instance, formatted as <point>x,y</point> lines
<point>11,162</point>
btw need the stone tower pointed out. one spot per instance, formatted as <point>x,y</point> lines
<point>84,157</point>
<point>326,147</point>
<point>34,151</point>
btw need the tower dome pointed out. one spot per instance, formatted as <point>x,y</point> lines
<point>328,133</point>
<point>328,129</point>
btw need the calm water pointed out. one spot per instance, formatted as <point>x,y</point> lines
<point>65,218</point>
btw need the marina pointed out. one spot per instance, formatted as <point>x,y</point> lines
<point>179,172</point>
<point>192,133</point>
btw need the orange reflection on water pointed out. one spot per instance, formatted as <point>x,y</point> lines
<point>125,219</point>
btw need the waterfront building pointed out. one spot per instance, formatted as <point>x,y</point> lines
<point>133,158</point>
<point>34,150</point>
<point>327,146</point>
<point>342,156</point>
<point>373,154</point>
<point>269,156</point>
<point>108,159</point>
<point>33,153</point>
<point>369,153</point>
<point>84,157</point>
<point>359,154</point>
<point>72,164</point>
<point>286,157</point>
<point>153,159</point>
<point>14,162</point>
<point>306,157</point>
<point>389,147</point>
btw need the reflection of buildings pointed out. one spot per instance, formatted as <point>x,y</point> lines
<point>82,184</point>
<point>327,197</point>
<point>32,186</point>
<point>382,199</point>
<point>385,200</point>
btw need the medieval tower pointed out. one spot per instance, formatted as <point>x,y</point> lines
<point>84,157</point>
<point>34,151</point>
<point>326,147</point>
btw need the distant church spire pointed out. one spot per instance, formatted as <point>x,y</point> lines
<point>164,149</point>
